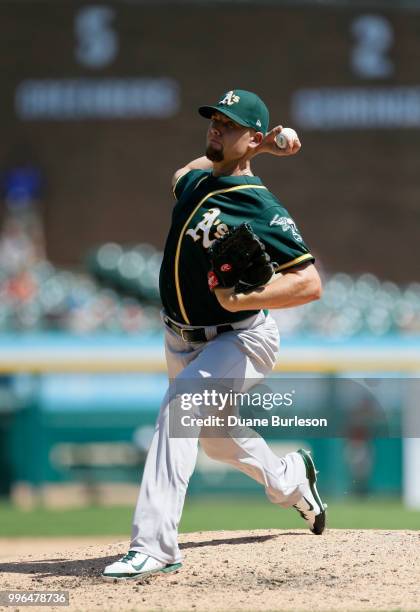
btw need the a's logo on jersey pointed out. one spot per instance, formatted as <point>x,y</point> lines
<point>286,224</point>
<point>202,229</point>
<point>230,98</point>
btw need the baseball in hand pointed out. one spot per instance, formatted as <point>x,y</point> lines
<point>285,135</point>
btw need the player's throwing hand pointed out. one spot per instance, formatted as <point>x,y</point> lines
<point>269,145</point>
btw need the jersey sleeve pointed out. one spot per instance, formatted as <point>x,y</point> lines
<point>282,239</point>
<point>189,179</point>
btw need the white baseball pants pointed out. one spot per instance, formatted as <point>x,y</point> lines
<point>247,353</point>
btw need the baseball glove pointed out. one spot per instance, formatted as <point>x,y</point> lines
<point>239,260</point>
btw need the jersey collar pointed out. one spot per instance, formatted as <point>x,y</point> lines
<point>235,180</point>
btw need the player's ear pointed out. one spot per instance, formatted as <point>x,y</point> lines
<point>256,139</point>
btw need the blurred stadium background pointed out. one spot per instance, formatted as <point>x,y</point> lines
<point>98,109</point>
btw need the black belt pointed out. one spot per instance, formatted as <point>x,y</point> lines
<point>195,335</point>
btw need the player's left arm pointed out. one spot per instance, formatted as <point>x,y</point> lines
<point>295,287</point>
<point>201,163</point>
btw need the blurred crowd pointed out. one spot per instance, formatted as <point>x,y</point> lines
<point>356,306</point>
<point>35,295</point>
<point>118,289</point>
<point>119,293</point>
<point>44,297</point>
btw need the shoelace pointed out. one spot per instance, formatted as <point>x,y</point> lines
<point>129,556</point>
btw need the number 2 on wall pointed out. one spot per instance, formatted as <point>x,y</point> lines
<point>374,37</point>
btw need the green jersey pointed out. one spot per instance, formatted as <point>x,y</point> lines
<point>207,206</point>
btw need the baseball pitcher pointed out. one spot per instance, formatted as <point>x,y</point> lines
<point>233,253</point>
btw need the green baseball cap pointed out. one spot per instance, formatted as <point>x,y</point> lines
<point>243,107</point>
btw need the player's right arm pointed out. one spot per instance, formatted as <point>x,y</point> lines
<point>201,163</point>
<point>268,143</point>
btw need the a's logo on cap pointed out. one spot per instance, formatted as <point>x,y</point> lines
<point>258,123</point>
<point>230,98</point>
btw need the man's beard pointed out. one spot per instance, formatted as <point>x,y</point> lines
<point>214,155</point>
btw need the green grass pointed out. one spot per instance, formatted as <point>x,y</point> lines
<point>205,514</point>
<point>260,514</point>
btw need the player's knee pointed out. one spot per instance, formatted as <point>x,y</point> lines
<point>214,448</point>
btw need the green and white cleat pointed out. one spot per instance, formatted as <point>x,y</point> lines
<point>310,506</point>
<point>137,565</point>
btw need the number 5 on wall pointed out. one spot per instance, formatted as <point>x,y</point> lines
<point>97,43</point>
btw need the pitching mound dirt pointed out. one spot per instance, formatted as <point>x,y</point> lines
<point>231,570</point>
